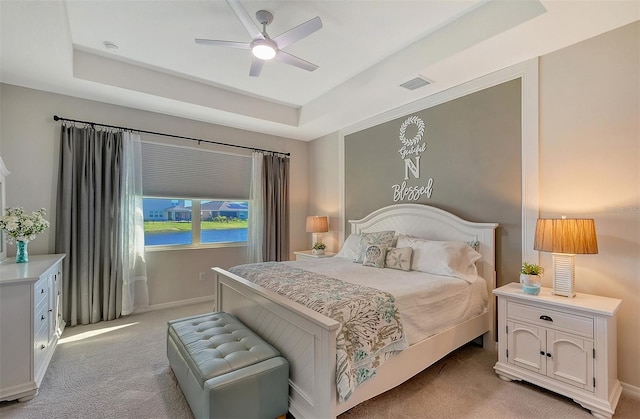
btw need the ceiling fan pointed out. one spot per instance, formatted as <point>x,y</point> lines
<point>263,46</point>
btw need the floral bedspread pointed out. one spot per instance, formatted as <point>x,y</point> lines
<point>370,330</point>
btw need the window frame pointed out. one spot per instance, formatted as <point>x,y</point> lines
<point>196,231</point>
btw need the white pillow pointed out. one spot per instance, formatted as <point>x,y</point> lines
<point>449,258</point>
<point>350,248</point>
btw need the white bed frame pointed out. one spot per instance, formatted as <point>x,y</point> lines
<point>307,339</point>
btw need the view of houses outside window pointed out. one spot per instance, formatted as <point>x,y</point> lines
<point>168,222</point>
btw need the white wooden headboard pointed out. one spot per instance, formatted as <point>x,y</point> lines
<point>432,223</point>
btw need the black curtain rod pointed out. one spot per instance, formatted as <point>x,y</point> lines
<point>59,118</point>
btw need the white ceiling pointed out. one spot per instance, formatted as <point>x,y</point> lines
<point>364,51</point>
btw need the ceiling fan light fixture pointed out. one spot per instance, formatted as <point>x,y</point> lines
<point>263,49</point>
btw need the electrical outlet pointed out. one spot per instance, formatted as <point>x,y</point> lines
<point>202,276</point>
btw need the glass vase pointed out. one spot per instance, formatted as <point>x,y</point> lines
<point>22,256</point>
<point>530,284</point>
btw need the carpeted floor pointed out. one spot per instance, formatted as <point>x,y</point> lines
<point>119,369</point>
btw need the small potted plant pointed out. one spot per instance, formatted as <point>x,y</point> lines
<point>531,278</point>
<point>318,248</point>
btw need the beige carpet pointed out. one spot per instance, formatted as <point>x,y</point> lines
<point>119,369</point>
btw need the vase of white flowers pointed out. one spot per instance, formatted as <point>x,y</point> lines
<point>22,228</point>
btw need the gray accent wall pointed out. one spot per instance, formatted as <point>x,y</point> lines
<point>473,154</point>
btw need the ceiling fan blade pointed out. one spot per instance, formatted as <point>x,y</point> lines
<point>256,67</point>
<point>230,44</point>
<point>286,58</point>
<point>299,32</point>
<point>245,19</point>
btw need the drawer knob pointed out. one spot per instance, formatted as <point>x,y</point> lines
<point>42,291</point>
<point>42,346</point>
<point>546,318</point>
<point>541,352</point>
<point>548,355</point>
<point>50,310</point>
<point>43,317</point>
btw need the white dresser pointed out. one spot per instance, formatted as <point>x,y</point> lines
<point>566,345</point>
<point>30,323</point>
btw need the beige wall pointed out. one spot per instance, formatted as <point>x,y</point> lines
<point>29,143</point>
<point>324,187</point>
<point>590,167</point>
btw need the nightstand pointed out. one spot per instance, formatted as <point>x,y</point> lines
<point>306,254</point>
<point>566,345</point>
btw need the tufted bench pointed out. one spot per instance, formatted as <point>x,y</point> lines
<point>225,370</point>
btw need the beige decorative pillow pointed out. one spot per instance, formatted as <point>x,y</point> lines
<point>374,256</point>
<point>381,238</point>
<point>399,258</point>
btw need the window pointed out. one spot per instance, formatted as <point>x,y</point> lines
<point>223,221</point>
<point>181,182</point>
<point>219,222</point>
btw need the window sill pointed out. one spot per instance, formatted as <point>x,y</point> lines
<point>194,247</point>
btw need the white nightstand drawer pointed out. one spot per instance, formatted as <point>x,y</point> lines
<point>578,325</point>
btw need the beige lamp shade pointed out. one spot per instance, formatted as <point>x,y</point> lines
<point>566,235</point>
<point>317,224</point>
<point>565,238</point>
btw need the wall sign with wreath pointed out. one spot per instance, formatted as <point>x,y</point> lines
<point>412,147</point>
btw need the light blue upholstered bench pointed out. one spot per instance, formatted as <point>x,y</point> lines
<point>225,370</point>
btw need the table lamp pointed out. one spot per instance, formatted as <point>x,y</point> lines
<point>565,237</point>
<point>316,225</point>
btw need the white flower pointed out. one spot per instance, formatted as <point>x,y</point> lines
<point>23,227</point>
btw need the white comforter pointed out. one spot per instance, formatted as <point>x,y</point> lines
<point>428,303</point>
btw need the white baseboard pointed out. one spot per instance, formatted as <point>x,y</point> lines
<point>172,304</point>
<point>630,391</point>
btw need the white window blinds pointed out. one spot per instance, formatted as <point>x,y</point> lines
<point>180,172</point>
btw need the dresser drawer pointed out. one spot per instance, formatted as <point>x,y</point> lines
<point>41,315</point>
<point>40,291</point>
<point>571,323</point>
<point>41,343</point>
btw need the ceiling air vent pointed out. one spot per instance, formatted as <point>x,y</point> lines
<point>416,83</point>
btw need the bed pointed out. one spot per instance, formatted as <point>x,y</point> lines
<point>308,339</point>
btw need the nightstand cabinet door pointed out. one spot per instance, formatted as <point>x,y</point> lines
<point>570,360</point>
<point>527,347</point>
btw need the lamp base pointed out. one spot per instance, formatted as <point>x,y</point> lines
<point>564,275</point>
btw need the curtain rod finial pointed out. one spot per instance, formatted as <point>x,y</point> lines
<point>56,118</point>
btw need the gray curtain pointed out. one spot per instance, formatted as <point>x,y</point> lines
<point>276,208</point>
<point>87,223</point>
